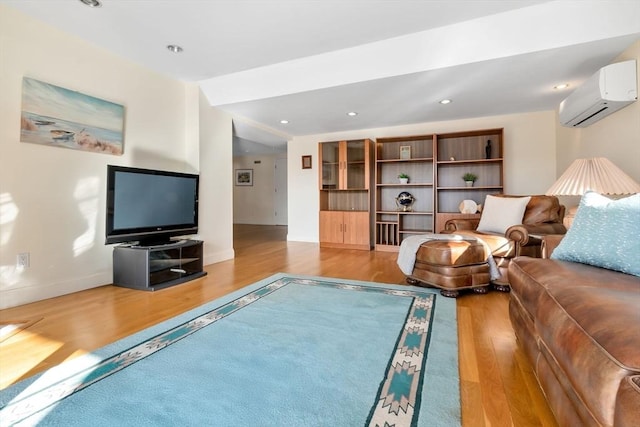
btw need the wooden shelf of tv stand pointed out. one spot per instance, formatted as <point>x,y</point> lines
<point>151,268</point>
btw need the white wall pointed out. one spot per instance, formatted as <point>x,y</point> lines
<point>256,204</point>
<point>529,152</point>
<point>216,194</point>
<point>52,200</point>
<point>616,137</point>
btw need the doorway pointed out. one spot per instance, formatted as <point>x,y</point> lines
<point>280,188</point>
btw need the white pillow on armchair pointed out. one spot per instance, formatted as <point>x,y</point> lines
<point>500,213</point>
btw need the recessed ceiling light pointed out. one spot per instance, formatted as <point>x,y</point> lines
<point>562,86</point>
<point>445,101</point>
<point>174,48</point>
<point>92,3</point>
<point>352,113</point>
<point>284,122</point>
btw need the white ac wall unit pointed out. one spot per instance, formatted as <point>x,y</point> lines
<point>613,87</point>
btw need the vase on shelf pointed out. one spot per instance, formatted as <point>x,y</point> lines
<point>469,183</point>
<point>404,180</point>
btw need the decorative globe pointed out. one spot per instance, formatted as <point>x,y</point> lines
<point>405,200</point>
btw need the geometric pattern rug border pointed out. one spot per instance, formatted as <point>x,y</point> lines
<point>399,394</point>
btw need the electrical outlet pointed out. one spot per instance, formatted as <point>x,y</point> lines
<point>23,260</point>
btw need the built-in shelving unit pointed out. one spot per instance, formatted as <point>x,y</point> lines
<point>435,165</point>
<point>478,152</point>
<point>393,221</point>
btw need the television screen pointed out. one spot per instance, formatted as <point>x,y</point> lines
<point>150,206</point>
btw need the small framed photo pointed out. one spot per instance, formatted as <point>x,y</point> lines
<point>244,177</point>
<point>405,152</point>
<point>306,162</point>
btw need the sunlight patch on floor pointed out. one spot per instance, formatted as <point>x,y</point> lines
<point>11,327</point>
<point>68,375</point>
<point>22,362</point>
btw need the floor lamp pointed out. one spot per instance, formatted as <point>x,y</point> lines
<point>598,174</point>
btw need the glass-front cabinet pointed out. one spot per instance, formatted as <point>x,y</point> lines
<point>345,196</point>
<point>344,165</point>
<point>331,165</point>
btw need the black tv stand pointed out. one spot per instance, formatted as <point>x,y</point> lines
<point>159,266</point>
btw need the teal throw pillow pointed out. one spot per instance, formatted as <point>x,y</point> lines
<point>605,233</point>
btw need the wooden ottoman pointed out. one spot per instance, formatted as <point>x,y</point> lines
<point>451,266</point>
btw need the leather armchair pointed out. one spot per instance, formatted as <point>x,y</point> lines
<point>543,215</point>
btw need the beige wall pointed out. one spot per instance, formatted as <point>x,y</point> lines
<point>255,204</point>
<point>52,200</point>
<point>616,137</point>
<point>529,151</point>
<point>216,194</point>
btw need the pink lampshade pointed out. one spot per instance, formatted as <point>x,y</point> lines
<point>597,174</point>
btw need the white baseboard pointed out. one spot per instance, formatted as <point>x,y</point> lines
<point>38,292</point>
<point>215,257</point>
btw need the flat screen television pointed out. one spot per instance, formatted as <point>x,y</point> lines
<point>150,206</point>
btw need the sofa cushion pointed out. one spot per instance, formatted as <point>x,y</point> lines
<point>500,213</point>
<point>542,209</point>
<point>604,234</point>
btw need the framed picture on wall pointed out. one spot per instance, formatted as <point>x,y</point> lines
<point>306,162</point>
<point>60,117</point>
<point>244,177</point>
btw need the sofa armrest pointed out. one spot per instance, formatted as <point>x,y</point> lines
<point>528,237</point>
<point>522,233</point>
<point>461,224</point>
<point>549,243</point>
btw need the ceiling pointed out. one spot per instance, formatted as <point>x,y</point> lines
<point>311,62</point>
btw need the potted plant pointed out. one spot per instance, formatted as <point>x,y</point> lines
<point>404,178</point>
<point>469,178</point>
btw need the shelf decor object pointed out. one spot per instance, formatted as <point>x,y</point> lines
<point>405,152</point>
<point>469,178</point>
<point>404,201</point>
<point>468,207</point>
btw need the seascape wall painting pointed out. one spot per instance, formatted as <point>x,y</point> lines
<point>59,117</point>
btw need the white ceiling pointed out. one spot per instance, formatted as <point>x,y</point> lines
<point>312,61</point>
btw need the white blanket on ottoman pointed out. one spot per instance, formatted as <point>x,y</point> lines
<point>410,245</point>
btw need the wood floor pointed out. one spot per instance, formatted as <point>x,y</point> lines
<point>496,382</point>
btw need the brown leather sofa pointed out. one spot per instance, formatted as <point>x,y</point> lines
<point>543,215</point>
<point>579,326</point>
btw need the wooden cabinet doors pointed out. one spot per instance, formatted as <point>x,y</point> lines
<point>344,229</point>
<point>343,165</point>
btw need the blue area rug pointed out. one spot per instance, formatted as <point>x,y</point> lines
<point>286,351</point>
